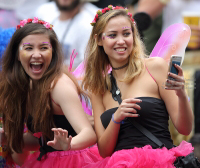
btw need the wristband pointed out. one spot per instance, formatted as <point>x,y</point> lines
<point>121,122</point>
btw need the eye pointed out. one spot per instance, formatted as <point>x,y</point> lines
<point>44,48</point>
<point>127,34</point>
<point>28,48</point>
<point>111,36</point>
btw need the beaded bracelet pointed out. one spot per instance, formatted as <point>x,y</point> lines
<point>121,122</point>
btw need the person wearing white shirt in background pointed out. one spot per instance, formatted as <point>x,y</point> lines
<point>71,20</point>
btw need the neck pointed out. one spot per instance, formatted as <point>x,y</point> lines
<point>66,15</point>
<point>119,74</point>
<point>121,67</point>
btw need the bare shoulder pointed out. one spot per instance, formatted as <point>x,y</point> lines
<point>157,66</point>
<point>64,86</point>
<point>155,63</point>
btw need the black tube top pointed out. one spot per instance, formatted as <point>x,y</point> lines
<point>153,116</point>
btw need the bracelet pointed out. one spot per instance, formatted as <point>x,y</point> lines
<point>121,122</point>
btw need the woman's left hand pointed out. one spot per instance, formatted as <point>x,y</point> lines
<point>61,139</point>
<point>178,84</point>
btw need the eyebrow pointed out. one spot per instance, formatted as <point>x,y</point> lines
<point>26,44</point>
<point>46,42</point>
<point>124,29</point>
<point>29,44</point>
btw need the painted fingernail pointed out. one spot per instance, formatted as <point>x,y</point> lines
<point>138,115</point>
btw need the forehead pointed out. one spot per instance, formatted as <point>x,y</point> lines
<point>117,23</point>
<point>35,38</point>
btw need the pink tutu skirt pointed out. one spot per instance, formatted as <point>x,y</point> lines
<point>64,159</point>
<point>144,157</point>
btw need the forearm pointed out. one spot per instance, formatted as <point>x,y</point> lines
<point>83,140</point>
<point>31,143</point>
<point>19,158</point>
<point>108,140</point>
<point>185,117</point>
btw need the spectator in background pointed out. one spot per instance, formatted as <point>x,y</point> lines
<point>71,20</point>
<point>195,141</point>
<point>28,8</point>
<point>172,11</point>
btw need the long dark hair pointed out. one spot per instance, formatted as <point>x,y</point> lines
<point>15,88</point>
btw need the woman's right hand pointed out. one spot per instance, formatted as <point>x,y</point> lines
<point>61,139</point>
<point>128,108</point>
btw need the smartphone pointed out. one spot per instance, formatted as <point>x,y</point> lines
<point>175,59</point>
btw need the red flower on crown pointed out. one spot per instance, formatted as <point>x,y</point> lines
<point>110,7</point>
<point>35,20</point>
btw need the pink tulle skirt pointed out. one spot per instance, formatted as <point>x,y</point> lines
<point>64,159</point>
<point>144,157</point>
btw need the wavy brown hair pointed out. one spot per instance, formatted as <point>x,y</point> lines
<point>97,64</point>
<point>15,89</point>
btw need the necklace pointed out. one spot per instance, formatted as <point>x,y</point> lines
<point>123,66</point>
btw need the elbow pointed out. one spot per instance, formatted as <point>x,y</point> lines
<point>185,131</point>
<point>103,154</point>
<point>93,138</point>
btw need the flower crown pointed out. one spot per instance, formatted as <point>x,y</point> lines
<point>35,20</point>
<point>110,7</point>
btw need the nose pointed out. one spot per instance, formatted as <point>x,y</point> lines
<point>120,40</point>
<point>36,54</point>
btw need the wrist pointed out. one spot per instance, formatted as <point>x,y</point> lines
<point>121,122</point>
<point>182,94</point>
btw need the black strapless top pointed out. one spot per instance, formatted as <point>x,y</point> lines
<point>60,122</point>
<point>153,116</point>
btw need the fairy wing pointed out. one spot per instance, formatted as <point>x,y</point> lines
<point>173,41</point>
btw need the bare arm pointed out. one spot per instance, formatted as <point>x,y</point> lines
<point>65,94</point>
<point>175,99</point>
<point>31,144</point>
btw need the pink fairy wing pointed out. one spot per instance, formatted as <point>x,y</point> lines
<point>79,73</point>
<point>173,41</point>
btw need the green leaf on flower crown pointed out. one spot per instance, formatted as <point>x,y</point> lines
<point>92,23</point>
<point>110,7</point>
<point>99,12</point>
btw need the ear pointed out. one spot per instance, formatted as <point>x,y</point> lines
<point>99,42</point>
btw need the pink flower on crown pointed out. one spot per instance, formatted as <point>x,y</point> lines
<point>23,22</point>
<point>130,14</point>
<point>107,9</point>
<point>47,25</point>
<point>35,20</point>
